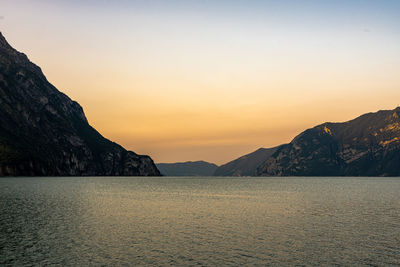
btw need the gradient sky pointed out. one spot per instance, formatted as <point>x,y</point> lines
<point>212,80</point>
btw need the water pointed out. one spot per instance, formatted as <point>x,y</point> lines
<point>200,221</point>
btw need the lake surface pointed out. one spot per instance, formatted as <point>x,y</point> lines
<point>200,221</point>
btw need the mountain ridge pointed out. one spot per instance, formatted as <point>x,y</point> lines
<point>45,133</point>
<point>368,145</point>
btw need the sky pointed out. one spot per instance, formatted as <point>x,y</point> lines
<point>212,80</point>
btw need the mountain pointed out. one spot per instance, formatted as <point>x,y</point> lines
<point>366,146</point>
<point>189,168</point>
<point>245,165</point>
<point>44,133</point>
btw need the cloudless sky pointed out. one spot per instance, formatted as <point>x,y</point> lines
<point>212,80</point>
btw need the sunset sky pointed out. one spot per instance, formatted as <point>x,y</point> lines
<point>212,80</point>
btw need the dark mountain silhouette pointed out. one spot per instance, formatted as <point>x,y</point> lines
<point>366,146</point>
<point>189,168</point>
<point>43,132</point>
<point>245,165</point>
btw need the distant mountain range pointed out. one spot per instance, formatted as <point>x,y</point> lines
<point>245,165</point>
<point>189,168</point>
<point>44,133</point>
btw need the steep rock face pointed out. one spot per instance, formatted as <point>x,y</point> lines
<point>366,146</point>
<point>43,132</point>
<point>189,168</point>
<point>245,165</point>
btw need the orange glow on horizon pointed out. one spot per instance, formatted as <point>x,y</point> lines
<point>189,84</point>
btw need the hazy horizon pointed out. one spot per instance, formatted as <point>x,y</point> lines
<point>202,80</point>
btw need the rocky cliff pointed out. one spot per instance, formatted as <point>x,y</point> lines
<point>44,133</point>
<point>366,146</point>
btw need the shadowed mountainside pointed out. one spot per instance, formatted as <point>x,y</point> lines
<point>366,146</point>
<point>44,133</point>
<point>245,165</point>
<point>189,168</point>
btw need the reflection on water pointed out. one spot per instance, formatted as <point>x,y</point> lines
<point>200,221</point>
